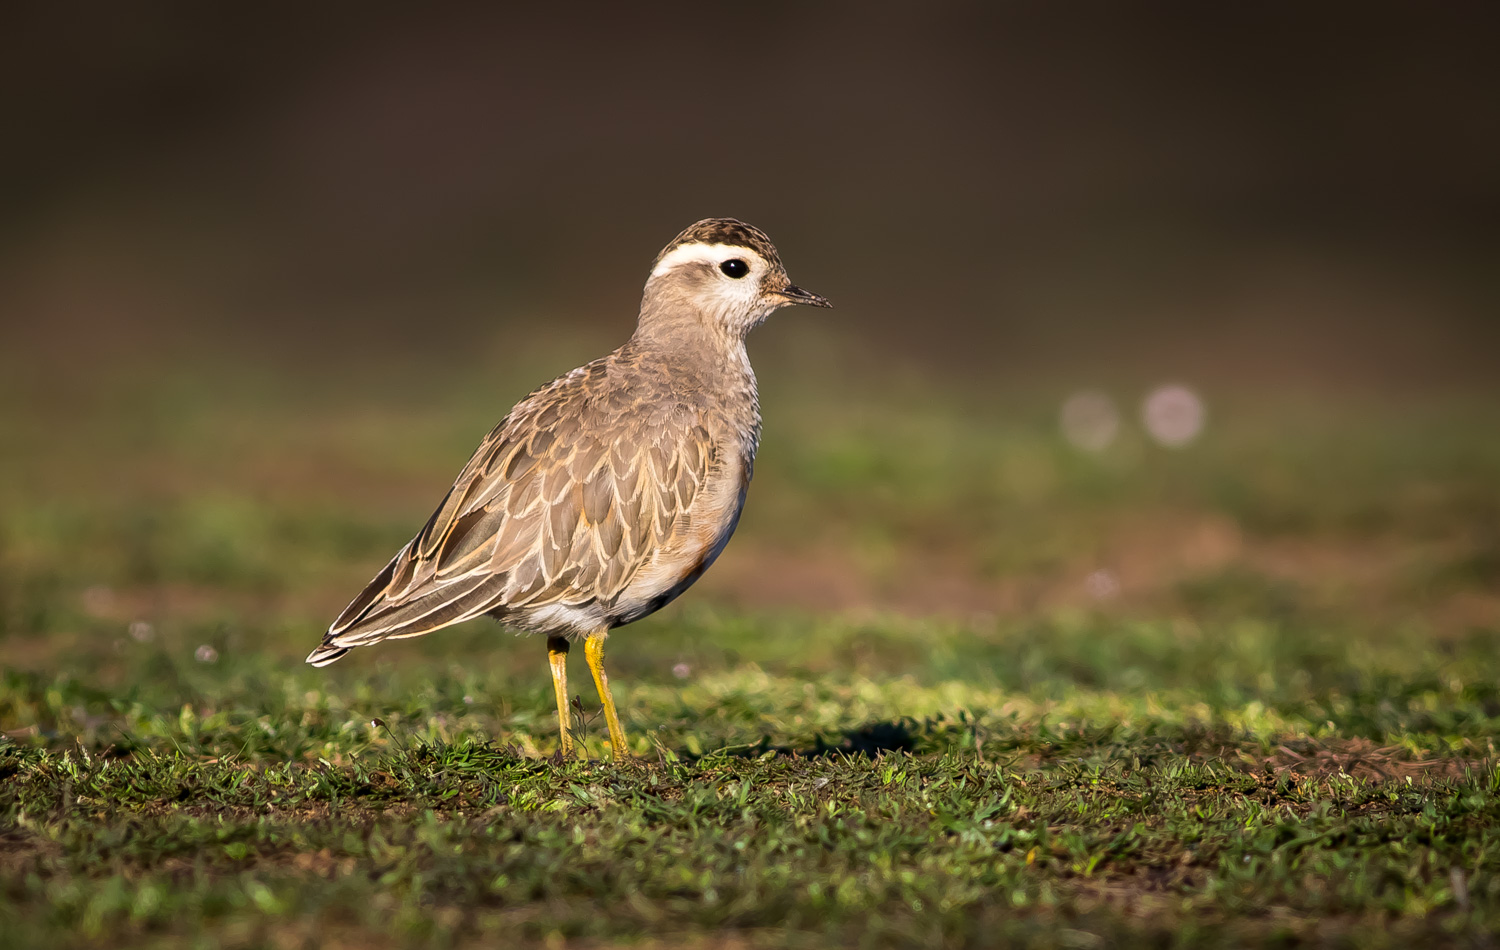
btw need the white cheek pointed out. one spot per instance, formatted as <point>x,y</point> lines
<point>737,294</point>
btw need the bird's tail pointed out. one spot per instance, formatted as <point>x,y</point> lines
<point>326,653</point>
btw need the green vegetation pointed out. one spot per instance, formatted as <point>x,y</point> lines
<point>897,714</point>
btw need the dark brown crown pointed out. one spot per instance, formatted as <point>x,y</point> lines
<point>728,231</point>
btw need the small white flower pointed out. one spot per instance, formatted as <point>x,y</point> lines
<point>1173,415</point>
<point>1089,420</point>
<point>1101,585</point>
<point>206,654</point>
<point>142,632</point>
<point>682,671</point>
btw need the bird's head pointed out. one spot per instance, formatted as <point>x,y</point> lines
<point>724,271</point>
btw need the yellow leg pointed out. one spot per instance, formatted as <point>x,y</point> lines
<point>557,656</point>
<point>593,650</point>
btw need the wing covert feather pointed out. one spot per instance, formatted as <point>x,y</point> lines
<point>563,502</point>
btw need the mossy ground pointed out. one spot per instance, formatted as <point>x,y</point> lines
<point>903,717</point>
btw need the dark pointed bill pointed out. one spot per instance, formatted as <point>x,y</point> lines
<point>795,294</point>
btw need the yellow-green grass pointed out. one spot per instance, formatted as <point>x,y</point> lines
<point>896,714</point>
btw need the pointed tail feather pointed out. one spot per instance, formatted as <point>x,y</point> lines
<point>325,654</point>
<point>456,603</point>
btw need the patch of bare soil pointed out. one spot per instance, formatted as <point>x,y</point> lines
<point>1362,759</point>
<point>21,850</point>
<point>1140,563</point>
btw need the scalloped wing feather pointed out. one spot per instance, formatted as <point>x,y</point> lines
<point>562,504</point>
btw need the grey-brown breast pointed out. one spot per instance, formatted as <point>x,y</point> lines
<point>600,497</point>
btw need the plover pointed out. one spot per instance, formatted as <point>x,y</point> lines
<point>606,493</point>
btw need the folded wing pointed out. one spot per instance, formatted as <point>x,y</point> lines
<point>560,506</point>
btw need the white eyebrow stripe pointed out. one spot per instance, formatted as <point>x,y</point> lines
<point>715,254</point>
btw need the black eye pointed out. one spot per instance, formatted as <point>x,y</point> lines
<point>735,268</point>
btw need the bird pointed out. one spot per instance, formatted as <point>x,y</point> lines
<point>606,493</point>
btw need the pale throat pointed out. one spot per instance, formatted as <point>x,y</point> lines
<point>688,338</point>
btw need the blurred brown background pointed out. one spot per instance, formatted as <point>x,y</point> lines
<point>1297,195</point>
